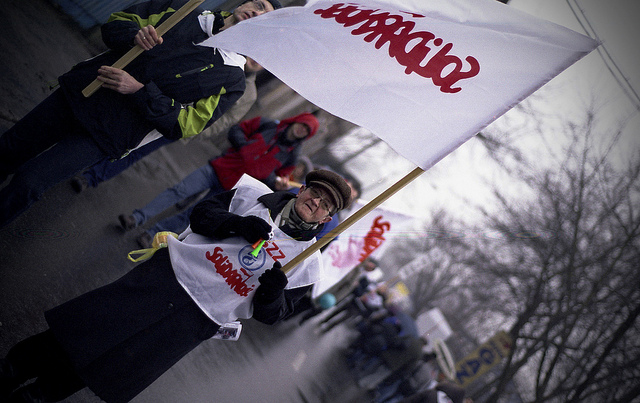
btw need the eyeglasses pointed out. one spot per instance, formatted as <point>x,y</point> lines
<point>324,204</point>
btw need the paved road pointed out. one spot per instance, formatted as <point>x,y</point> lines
<point>68,243</point>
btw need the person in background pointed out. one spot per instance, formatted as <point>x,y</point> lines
<point>348,291</point>
<point>174,86</point>
<point>296,177</point>
<point>107,168</point>
<point>354,284</point>
<point>397,361</point>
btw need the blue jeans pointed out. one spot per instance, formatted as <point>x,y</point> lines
<point>44,148</point>
<point>107,169</point>
<point>197,181</point>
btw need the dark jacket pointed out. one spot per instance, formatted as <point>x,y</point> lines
<point>121,337</point>
<point>260,149</point>
<point>404,355</point>
<point>187,87</point>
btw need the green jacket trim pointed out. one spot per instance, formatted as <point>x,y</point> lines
<point>193,120</point>
<point>153,19</point>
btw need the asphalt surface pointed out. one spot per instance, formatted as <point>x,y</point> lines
<point>69,243</point>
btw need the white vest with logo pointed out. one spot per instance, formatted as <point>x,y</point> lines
<point>221,275</point>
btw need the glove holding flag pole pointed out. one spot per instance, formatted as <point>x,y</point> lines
<point>272,284</point>
<point>251,228</point>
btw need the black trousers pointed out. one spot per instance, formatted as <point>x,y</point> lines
<point>42,149</point>
<point>41,357</point>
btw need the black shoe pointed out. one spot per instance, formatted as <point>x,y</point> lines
<point>128,222</point>
<point>145,240</point>
<point>79,183</point>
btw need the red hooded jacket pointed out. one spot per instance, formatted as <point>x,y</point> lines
<point>260,149</point>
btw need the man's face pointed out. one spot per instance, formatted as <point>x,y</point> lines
<point>369,265</point>
<point>251,9</point>
<point>314,205</point>
<point>354,192</point>
<point>297,131</point>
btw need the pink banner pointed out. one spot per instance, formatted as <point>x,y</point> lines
<point>369,236</point>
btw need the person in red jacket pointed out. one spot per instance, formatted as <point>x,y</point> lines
<point>262,148</point>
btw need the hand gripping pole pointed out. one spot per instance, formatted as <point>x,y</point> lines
<point>136,50</point>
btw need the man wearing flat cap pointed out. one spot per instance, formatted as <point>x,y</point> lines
<point>119,338</point>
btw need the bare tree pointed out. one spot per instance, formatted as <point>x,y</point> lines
<point>570,260</point>
<point>559,271</point>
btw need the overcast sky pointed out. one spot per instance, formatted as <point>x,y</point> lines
<point>615,23</point>
<point>459,178</point>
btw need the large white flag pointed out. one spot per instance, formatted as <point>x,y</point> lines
<point>424,76</point>
<point>369,236</point>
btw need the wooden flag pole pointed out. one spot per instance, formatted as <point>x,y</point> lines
<point>366,209</point>
<point>136,50</point>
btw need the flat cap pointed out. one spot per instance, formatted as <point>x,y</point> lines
<point>335,185</point>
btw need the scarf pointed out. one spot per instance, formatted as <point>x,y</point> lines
<point>288,217</point>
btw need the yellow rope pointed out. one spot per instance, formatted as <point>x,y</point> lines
<point>159,242</point>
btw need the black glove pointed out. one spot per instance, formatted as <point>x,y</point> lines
<point>252,228</point>
<point>272,282</point>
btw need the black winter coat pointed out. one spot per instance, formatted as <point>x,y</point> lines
<point>187,86</point>
<point>121,337</point>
